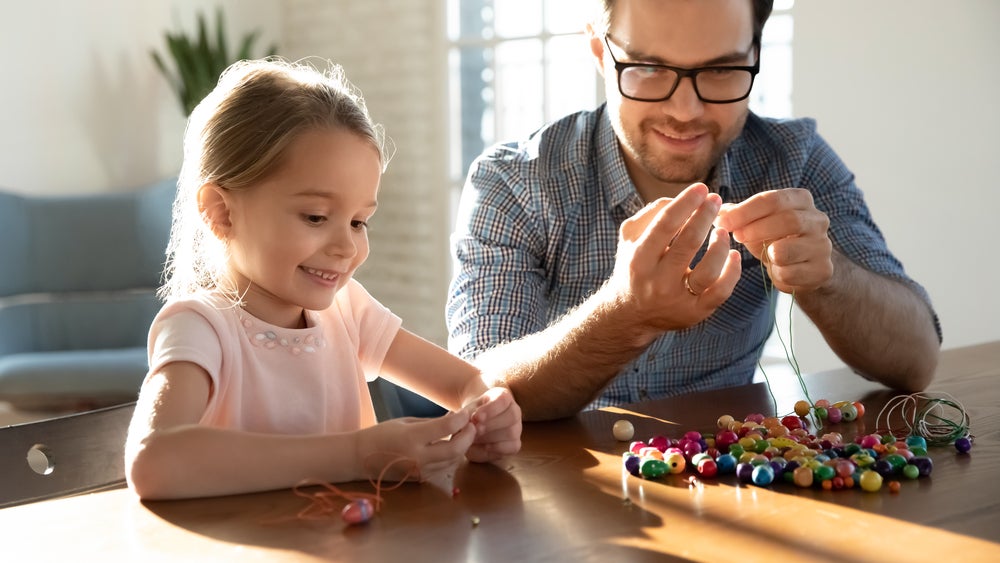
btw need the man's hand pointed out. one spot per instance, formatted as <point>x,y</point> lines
<point>785,231</point>
<point>656,246</point>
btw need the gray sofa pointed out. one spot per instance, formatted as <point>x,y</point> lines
<point>78,276</point>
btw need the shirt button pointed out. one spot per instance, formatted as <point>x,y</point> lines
<point>643,394</point>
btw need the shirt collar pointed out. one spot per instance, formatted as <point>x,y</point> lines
<point>615,180</point>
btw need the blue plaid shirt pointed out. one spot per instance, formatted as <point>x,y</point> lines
<point>537,232</point>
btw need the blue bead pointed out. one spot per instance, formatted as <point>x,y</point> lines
<point>763,475</point>
<point>726,463</point>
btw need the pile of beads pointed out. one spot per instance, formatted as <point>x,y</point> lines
<point>762,450</point>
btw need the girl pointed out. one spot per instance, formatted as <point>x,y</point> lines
<point>260,358</point>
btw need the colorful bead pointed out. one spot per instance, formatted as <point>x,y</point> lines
<point>802,408</point>
<point>675,463</point>
<point>651,468</point>
<point>358,512</point>
<point>871,481</point>
<point>963,445</point>
<point>762,475</point>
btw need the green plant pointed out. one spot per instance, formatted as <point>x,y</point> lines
<point>199,62</point>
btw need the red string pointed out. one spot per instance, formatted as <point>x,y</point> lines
<point>329,502</point>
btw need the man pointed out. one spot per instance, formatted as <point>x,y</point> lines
<point>584,267</point>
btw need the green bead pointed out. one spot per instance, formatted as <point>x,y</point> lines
<point>911,471</point>
<point>651,468</point>
<point>824,473</point>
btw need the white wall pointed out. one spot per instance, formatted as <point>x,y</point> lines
<point>905,91</point>
<point>902,89</point>
<point>84,108</point>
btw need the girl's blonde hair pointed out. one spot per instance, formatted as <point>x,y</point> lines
<point>238,135</point>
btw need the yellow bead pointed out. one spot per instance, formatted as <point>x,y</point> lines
<point>801,408</point>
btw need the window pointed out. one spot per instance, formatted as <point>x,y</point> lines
<point>517,64</point>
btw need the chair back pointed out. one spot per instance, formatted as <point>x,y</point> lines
<point>63,456</point>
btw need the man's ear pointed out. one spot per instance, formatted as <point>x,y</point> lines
<point>213,205</point>
<point>596,47</point>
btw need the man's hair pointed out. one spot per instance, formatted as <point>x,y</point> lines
<point>761,11</point>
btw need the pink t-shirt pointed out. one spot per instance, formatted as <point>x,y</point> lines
<point>277,380</point>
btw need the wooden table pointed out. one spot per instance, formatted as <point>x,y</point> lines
<point>566,498</point>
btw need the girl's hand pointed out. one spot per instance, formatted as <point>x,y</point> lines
<point>415,449</point>
<point>497,419</point>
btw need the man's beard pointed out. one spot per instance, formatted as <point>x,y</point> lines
<point>675,168</point>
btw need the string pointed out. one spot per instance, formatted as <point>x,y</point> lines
<point>329,502</point>
<point>787,348</point>
<point>939,421</point>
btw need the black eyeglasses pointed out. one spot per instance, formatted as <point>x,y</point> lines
<point>648,82</point>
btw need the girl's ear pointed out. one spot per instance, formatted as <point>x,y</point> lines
<point>214,209</point>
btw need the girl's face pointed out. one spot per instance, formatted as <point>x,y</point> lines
<point>297,236</point>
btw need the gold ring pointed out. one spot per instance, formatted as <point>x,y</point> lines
<point>687,285</point>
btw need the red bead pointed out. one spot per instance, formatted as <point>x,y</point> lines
<point>358,512</point>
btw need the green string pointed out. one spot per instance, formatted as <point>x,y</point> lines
<point>788,348</point>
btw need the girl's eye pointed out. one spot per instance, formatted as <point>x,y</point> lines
<point>314,219</point>
<point>359,225</point>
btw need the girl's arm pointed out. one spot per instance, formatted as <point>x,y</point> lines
<point>169,455</point>
<point>429,370</point>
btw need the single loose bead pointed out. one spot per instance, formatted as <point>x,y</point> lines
<point>871,481</point>
<point>802,408</point>
<point>963,445</point>
<point>762,475</point>
<point>632,462</point>
<point>894,487</point>
<point>834,415</point>
<point>358,511</point>
<point>707,467</point>
<point>911,472</point>
<point>849,413</point>
<point>726,463</point>
<point>803,477</point>
<point>659,442</point>
<point>651,468</point>
<point>675,463</point>
<point>725,421</point>
<point>924,465</point>
<point>623,430</point>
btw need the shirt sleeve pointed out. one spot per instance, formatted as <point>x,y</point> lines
<point>180,333</point>
<point>498,292</point>
<point>852,229</point>
<point>377,327</point>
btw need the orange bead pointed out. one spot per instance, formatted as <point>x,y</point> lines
<point>894,486</point>
<point>861,409</point>
<point>827,484</point>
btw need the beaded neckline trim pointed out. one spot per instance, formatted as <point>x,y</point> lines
<point>270,338</point>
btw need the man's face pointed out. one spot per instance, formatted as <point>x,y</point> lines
<point>672,143</point>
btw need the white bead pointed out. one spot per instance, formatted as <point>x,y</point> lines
<point>623,430</point>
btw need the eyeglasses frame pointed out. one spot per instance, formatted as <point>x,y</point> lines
<point>681,74</point>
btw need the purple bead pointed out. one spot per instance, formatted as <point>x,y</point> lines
<point>744,472</point>
<point>963,445</point>
<point>632,464</point>
<point>883,468</point>
<point>924,465</point>
<point>777,467</point>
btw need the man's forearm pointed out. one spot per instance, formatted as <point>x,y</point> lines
<point>557,372</point>
<point>878,326</point>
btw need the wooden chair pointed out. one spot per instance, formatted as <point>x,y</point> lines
<point>63,456</point>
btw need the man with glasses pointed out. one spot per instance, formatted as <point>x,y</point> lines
<point>633,252</point>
